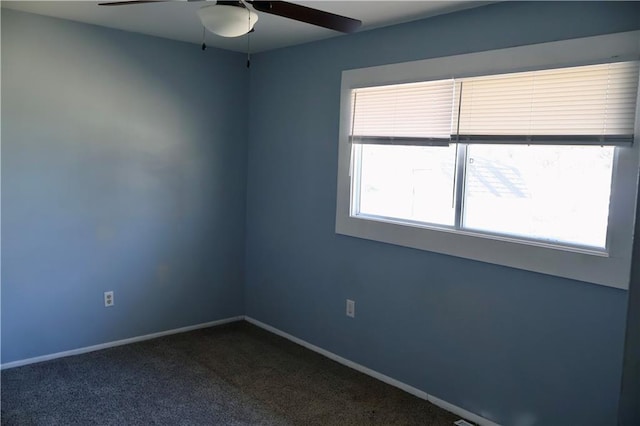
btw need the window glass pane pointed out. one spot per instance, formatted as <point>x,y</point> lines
<point>407,182</point>
<point>555,193</point>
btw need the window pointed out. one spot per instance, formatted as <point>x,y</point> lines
<point>555,194</point>
<point>531,187</point>
<point>533,169</point>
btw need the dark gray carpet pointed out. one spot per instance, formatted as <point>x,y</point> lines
<point>235,374</point>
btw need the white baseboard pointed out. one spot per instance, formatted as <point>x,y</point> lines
<point>386,379</point>
<point>86,349</point>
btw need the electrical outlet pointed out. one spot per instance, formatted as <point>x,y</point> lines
<point>351,308</point>
<point>108,298</point>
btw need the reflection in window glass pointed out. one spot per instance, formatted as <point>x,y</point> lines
<point>554,193</point>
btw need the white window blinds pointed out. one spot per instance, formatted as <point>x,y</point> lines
<point>587,104</point>
<point>405,114</point>
<point>592,104</point>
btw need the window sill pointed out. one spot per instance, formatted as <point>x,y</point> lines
<point>592,251</point>
<point>578,264</point>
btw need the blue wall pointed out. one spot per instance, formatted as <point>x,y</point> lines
<point>123,168</point>
<point>517,347</point>
<point>629,413</point>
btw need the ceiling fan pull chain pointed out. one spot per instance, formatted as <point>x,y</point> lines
<point>204,46</point>
<point>249,41</point>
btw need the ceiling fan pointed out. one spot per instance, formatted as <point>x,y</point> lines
<point>235,18</point>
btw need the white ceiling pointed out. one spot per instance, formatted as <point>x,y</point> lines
<point>177,20</point>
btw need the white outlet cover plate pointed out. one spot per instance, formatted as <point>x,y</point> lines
<point>108,298</point>
<point>351,308</point>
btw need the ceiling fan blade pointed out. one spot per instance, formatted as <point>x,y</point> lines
<point>308,15</point>
<point>127,2</point>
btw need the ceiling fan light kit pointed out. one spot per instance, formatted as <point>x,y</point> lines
<point>227,20</point>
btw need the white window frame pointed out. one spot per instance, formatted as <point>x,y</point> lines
<point>609,268</point>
